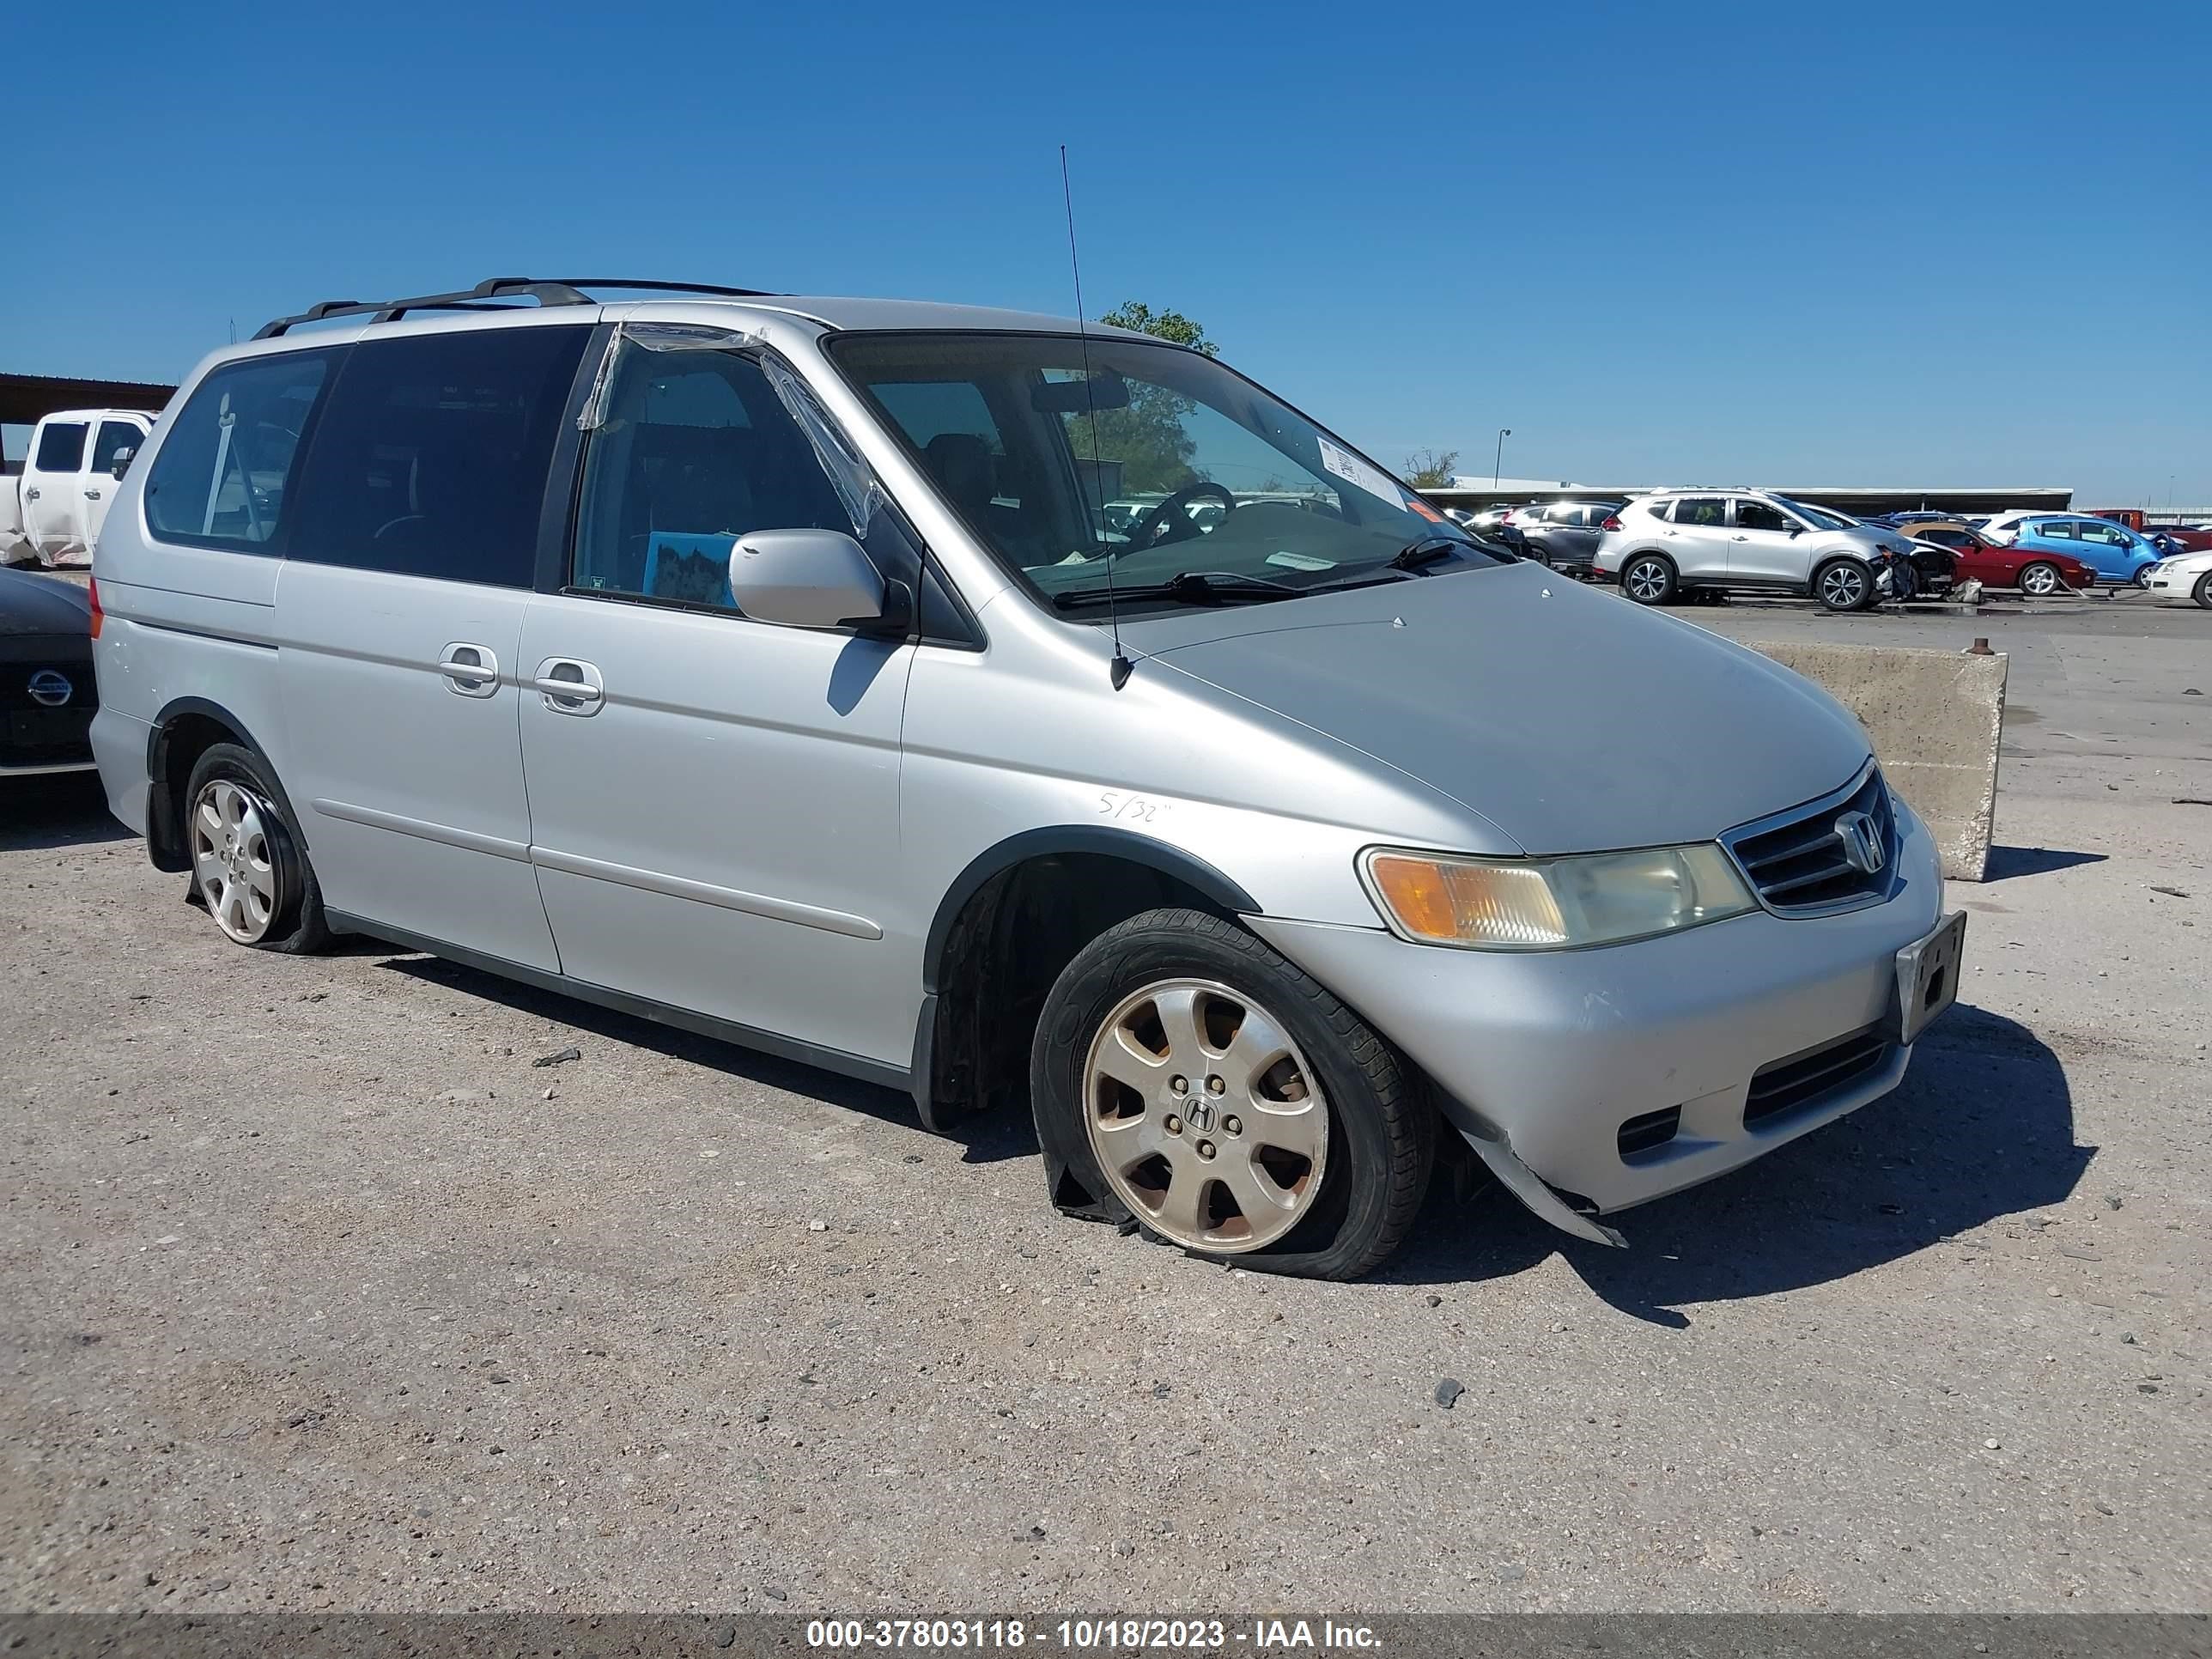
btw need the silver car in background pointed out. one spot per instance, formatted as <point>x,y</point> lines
<point>769,666</point>
<point>1683,541</point>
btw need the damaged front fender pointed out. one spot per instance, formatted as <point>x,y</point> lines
<point>1525,1184</point>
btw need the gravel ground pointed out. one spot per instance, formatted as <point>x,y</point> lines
<point>320,1293</point>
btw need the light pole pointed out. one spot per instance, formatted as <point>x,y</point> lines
<point>1497,461</point>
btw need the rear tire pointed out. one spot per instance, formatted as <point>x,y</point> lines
<point>1291,1106</point>
<point>1650,579</point>
<point>2142,576</point>
<point>2040,580</point>
<point>1843,585</point>
<point>249,867</point>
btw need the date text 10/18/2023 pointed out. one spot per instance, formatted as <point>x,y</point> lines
<point>1113,1635</point>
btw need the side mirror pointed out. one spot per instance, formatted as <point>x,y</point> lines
<point>812,579</point>
<point>122,463</point>
<point>1797,529</point>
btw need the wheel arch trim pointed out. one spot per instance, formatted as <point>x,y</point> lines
<point>164,831</point>
<point>1044,842</point>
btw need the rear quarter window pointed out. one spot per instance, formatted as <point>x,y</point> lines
<point>223,475</point>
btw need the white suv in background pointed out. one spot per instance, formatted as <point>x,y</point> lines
<point>1677,541</point>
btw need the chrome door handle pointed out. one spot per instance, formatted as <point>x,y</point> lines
<point>92,495</point>
<point>469,670</point>
<point>569,686</point>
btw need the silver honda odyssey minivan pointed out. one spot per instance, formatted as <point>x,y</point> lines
<point>1023,716</point>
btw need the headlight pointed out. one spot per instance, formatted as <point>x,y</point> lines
<point>1553,904</point>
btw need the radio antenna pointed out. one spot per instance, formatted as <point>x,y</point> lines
<point>1119,671</point>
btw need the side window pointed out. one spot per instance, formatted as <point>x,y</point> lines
<point>1662,510</point>
<point>695,450</point>
<point>114,437</point>
<point>61,448</point>
<point>224,474</point>
<point>2109,534</point>
<point>2057,528</point>
<point>430,458</point>
<point>1759,516</point>
<point>1710,510</point>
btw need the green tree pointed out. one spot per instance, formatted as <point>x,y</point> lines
<point>1147,438</point>
<point>1137,316</point>
<point>1431,469</point>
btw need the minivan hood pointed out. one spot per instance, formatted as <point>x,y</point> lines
<point>1572,720</point>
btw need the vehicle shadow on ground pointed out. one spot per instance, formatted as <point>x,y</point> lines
<point>1982,1126</point>
<point>770,1071</point>
<point>2005,862</point>
<point>68,810</point>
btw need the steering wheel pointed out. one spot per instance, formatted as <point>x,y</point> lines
<point>1170,514</point>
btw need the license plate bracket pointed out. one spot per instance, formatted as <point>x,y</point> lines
<point>1928,977</point>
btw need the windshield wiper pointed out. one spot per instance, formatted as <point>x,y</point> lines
<point>1188,587</point>
<point>1427,550</point>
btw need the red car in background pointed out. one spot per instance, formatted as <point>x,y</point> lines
<point>1994,565</point>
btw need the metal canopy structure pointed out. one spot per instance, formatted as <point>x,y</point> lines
<point>25,399</point>
<point>1477,493</point>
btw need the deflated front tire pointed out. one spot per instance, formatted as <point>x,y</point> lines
<point>1188,1080</point>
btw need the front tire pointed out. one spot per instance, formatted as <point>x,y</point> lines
<point>1843,585</point>
<point>2040,580</point>
<point>1187,1079</point>
<point>2203,591</point>
<point>1650,579</point>
<point>250,868</point>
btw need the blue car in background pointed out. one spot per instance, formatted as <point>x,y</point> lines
<point>2114,552</point>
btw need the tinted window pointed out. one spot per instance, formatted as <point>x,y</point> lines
<point>61,448</point>
<point>224,471</point>
<point>430,458</point>
<point>695,449</point>
<point>1757,515</point>
<point>115,436</point>
<point>1700,509</point>
<point>1947,538</point>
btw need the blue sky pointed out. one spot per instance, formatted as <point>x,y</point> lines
<point>1874,244</point>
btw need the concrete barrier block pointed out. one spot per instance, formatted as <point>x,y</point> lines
<point>1935,718</point>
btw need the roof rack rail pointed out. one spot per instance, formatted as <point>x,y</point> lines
<point>487,294</point>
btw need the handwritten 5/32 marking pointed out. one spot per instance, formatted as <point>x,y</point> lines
<point>1130,808</point>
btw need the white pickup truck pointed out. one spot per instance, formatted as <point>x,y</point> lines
<point>50,511</point>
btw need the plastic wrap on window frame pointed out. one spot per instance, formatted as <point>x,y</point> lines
<point>853,479</point>
<point>654,337</point>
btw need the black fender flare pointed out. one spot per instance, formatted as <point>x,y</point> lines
<point>1126,844</point>
<point>164,833</point>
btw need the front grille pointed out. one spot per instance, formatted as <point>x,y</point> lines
<point>1798,862</point>
<point>33,734</point>
<point>1652,1129</point>
<point>1785,1084</point>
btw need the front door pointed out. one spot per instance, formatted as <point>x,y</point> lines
<point>715,805</point>
<point>399,628</point>
<point>53,488</point>
<point>1762,550</point>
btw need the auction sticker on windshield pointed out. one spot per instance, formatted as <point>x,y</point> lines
<point>1353,471</point>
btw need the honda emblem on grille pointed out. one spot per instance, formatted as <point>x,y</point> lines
<point>50,689</point>
<point>1862,842</point>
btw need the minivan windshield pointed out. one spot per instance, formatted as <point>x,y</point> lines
<point>1072,459</point>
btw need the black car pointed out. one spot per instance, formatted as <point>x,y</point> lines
<point>47,697</point>
<point>1565,534</point>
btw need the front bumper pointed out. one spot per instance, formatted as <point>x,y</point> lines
<point>1553,1053</point>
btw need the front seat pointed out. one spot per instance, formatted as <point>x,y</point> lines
<point>965,470</point>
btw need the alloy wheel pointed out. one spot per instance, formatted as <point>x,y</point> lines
<point>1205,1118</point>
<point>2038,581</point>
<point>1647,581</point>
<point>1842,586</point>
<point>233,861</point>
